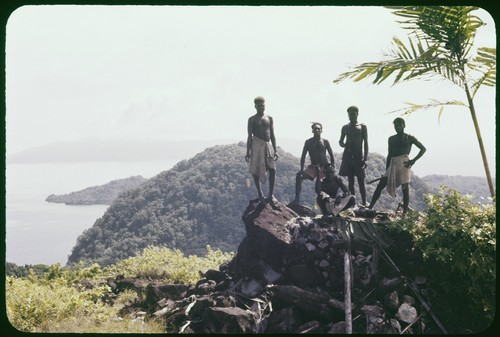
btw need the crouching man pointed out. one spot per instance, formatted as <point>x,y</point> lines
<point>327,189</point>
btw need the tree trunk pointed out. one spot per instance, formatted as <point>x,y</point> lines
<point>480,141</point>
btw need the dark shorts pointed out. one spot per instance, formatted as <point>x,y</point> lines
<point>351,165</point>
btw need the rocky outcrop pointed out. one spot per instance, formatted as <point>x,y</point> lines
<point>289,276</point>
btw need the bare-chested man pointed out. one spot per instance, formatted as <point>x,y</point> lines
<point>317,148</point>
<point>261,149</point>
<point>354,140</point>
<point>398,164</point>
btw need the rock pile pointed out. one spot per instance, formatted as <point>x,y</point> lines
<point>289,276</point>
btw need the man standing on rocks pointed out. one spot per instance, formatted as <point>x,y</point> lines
<point>261,149</point>
<point>327,189</point>
<point>354,140</point>
<point>398,164</point>
<point>317,148</point>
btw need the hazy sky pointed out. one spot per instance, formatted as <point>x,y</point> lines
<point>177,73</point>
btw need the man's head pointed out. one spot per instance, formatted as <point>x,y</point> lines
<point>317,128</point>
<point>399,124</point>
<point>353,112</point>
<point>259,99</point>
<point>329,170</point>
<point>260,104</point>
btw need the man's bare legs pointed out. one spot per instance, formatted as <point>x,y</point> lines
<point>381,185</point>
<point>406,198</point>
<point>298,187</point>
<point>258,184</point>
<point>272,177</point>
<point>362,189</point>
<point>350,180</point>
<point>361,184</point>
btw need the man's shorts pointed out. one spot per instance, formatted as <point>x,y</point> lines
<point>351,165</point>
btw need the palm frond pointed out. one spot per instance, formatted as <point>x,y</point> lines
<point>485,64</point>
<point>452,27</point>
<point>412,107</point>
<point>406,62</point>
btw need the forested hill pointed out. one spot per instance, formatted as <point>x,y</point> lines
<point>200,202</point>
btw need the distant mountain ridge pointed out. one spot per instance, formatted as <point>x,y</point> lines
<point>83,151</point>
<point>475,186</point>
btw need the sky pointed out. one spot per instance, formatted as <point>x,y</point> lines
<point>146,73</point>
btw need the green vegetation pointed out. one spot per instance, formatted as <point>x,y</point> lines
<point>169,266</point>
<point>458,242</point>
<point>40,305</point>
<point>200,202</point>
<point>56,302</point>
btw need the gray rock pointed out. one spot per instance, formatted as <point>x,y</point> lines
<point>228,320</point>
<point>406,313</point>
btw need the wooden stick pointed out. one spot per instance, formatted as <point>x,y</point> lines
<point>374,180</point>
<point>347,287</point>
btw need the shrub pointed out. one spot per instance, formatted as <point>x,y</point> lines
<point>39,306</point>
<point>168,266</point>
<point>458,242</point>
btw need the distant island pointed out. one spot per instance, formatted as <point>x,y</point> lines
<point>98,195</point>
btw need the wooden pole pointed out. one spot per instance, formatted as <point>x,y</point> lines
<point>347,287</point>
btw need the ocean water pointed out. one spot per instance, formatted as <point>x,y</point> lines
<point>38,232</point>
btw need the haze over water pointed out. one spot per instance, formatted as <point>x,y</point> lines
<point>38,232</point>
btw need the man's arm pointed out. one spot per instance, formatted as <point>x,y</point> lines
<point>420,153</point>
<point>343,135</point>
<point>330,152</point>
<point>249,138</point>
<point>273,138</point>
<point>317,186</point>
<point>364,134</point>
<point>305,149</point>
<point>389,154</point>
<point>343,187</point>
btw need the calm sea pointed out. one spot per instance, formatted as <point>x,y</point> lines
<point>38,232</point>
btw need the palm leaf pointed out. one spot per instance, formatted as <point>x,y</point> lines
<point>485,64</point>
<point>452,27</point>
<point>412,107</point>
<point>416,60</point>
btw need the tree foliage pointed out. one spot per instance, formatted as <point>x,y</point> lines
<point>458,241</point>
